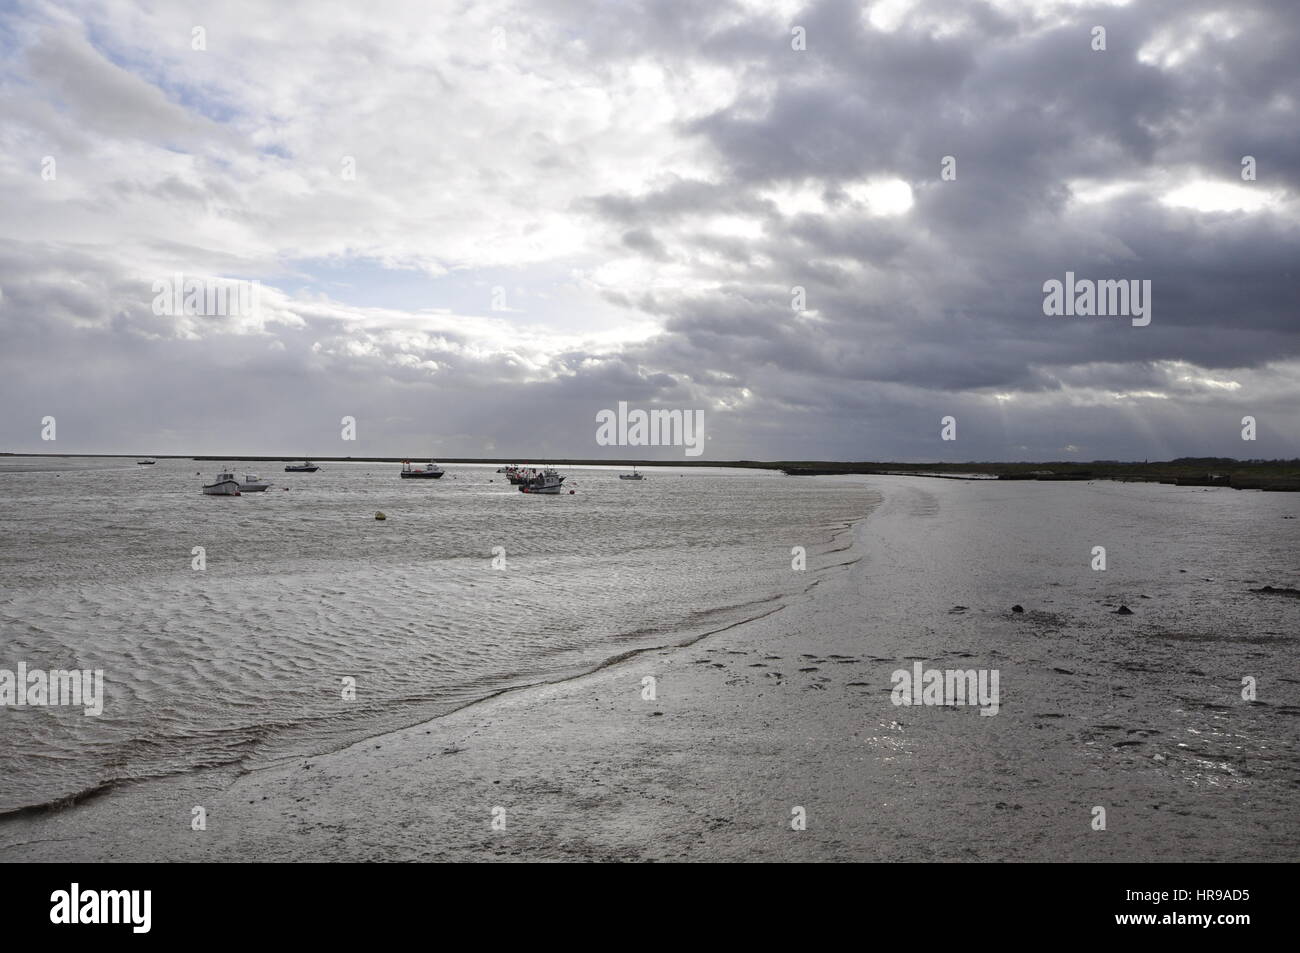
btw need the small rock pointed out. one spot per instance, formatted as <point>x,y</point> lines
<point>1123,610</point>
<point>380,516</point>
<point>1017,608</point>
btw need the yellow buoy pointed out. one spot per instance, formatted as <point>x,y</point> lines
<point>380,516</point>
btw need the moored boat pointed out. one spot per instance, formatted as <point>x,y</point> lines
<point>634,475</point>
<point>430,472</point>
<point>147,462</point>
<point>305,467</point>
<point>224,485</point>
<point>252,483</point>
<point>543,481</point>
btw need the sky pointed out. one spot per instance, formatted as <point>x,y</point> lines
<point>473,226</point>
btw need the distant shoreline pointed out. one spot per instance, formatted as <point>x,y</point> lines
<point>1278,475</point>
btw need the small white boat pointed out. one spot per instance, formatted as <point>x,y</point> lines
<point>253,484</point>
<point>224,485</point>
<point>545,481</point>
<point>430,472</point>
<point>631,476</point>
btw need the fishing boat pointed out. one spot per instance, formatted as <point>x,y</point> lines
<point>543,481</point>
<point>252,483</point>
<point>519,475</point>
<point>224,485</point>
<point>430,472</point>
<point>634,475</point>
<point>147,462</point>
<point>305,467</point>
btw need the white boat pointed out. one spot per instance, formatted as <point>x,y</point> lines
<point>253,484</point>
<point>430,472</point>
<point>631,476</point>
<point>224,485</point>
<point>545,481</point>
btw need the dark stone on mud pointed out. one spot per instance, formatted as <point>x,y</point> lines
<point>1123,610</point>
<point>1017,608</point>
<point>1278,591</point>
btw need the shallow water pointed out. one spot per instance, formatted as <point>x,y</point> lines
<point>244,661</point>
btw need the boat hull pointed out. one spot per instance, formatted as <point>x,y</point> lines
<point>421,475</point>
<point>224,488</point>
<point>254,487</point>
<point>301,469</point>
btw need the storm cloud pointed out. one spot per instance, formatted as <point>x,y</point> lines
<point>827,225</point>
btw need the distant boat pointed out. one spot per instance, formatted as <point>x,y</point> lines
<point>545,481</point>
<point>431,472</point>
<point>225,485</point>
<point>305,467</point>
<point>253,484</point>
<point>519,475</point>
<point>631,476</point>
<point>148,462</point>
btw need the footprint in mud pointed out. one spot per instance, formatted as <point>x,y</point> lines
<point>812,668</point>
<point>757,665</point>
<point>772,658</point>
<point>958,610</point>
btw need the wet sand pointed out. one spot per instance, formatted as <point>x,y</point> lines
<point>1138,714</point>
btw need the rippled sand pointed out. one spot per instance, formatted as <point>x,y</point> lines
<point>242,663</point>
<point>1139,714</point>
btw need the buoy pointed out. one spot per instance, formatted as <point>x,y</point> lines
<point>570,493</point>
<point>380,516</point>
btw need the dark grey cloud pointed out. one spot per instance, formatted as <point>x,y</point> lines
<point>1067,159</point>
